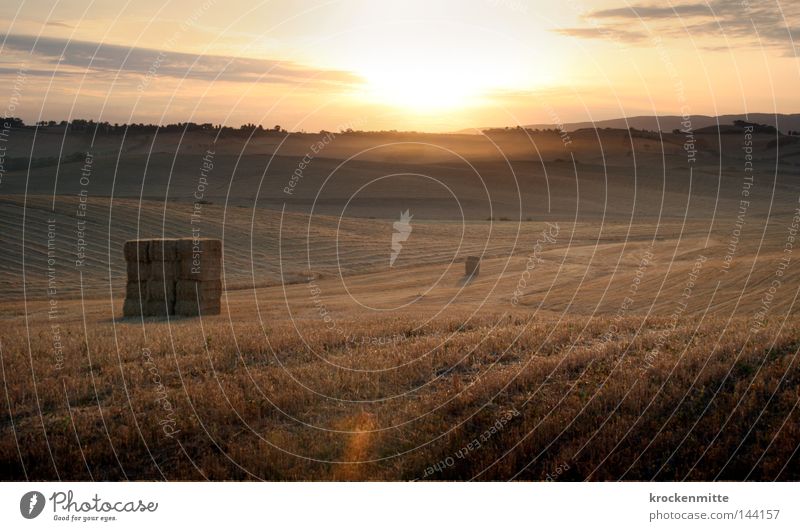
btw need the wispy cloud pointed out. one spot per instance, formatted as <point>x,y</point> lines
<point>80,56</point>
<point>741,23</point>
<point>603,32</point>
<point>58,24</point>
<point>640,11</point>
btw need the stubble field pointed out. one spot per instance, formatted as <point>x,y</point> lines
<point>631,319</point>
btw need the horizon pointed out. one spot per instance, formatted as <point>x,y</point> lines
<point>45,123</point>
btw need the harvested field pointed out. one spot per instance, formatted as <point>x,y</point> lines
<point>623,325</point>
<point>230,399</point>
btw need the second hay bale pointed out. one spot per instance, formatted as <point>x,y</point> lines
<point>472,266</point>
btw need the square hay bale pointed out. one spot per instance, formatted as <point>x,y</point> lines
<point>155,308</point>
<point>161,290</point>
<point>472,266</point>
<point>169,275</point>
<point>132,308</point>
<point>191,289</point>
<point>192,308</point>
<point>204,272</point>
<point>163,271</point>
<point>200,259</point>
<point>136,250</point>
<point>163,250</point>
<point>187,248</point>
<point>138,271</point>
<point>136,290</point>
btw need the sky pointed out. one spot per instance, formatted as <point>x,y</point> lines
<point>423,65</point>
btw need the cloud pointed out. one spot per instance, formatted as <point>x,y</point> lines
<point>741,23</point>
<point>110,58</point>
<point>58,24</point>
<point>603,32</point>
<point>639,12</point>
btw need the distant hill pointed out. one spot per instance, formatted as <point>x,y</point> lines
<point>785,122</point>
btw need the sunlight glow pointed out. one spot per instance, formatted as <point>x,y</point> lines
<point>423,89</point>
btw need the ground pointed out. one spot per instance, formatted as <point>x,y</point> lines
<point>634,316</point>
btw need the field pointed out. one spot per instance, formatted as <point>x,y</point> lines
<point>634,318</point>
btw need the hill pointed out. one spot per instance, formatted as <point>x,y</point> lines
<point>784,122</point>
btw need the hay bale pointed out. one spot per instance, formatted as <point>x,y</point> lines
<point>199,259</point>
<point>187,248</point>
<point>132,308</point>
<point>138,271</point>
<point>161,290</point>
<point>472,266</point>
<point>147,308</point>
<point>136,290</point>
<point>136,250</point>
<point>164,250</point>
<point>192,308</point>
<point>158,308</point>
<point>191,289</point>
<point>203,269</point>
<point>163,270</point>
<point>173,276</point>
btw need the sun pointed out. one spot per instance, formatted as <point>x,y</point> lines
<point>423,89</point>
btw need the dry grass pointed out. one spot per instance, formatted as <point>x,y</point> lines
<point>516,393</point>
<point>249,403</point>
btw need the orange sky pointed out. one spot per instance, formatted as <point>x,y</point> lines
<point>424,65</point>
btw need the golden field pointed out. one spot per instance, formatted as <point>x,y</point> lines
<point>629,320</point>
